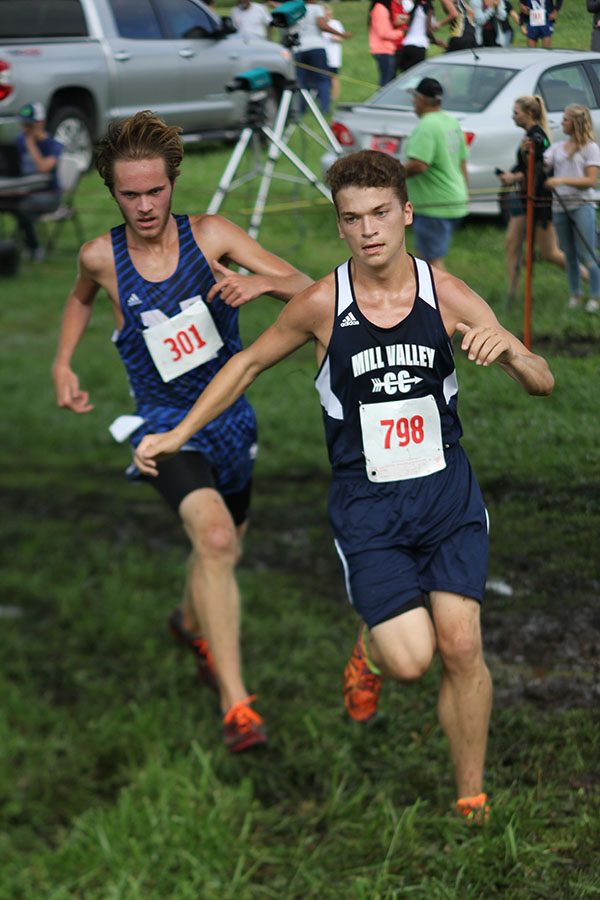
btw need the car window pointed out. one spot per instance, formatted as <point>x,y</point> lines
<point>467,88</point>
<point>136,21</point>
<point>564,85</point>
<point>186,19</point>
<point>596,69</point>
<point>41,18</point>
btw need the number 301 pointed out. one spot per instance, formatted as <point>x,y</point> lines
<point>182,343</point>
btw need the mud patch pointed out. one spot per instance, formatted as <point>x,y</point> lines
<point>547,656</point>
<point>549,659</point>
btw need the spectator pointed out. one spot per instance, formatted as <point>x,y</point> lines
<point>251,19</point>
<point>459,18</point>
<point>437,171</point>
<point>529,113</point>
<point>311,56</point>
<point>523,20</point>
<point>575,164</point>
<point>383,39</point>
<point>333,51</point>
<point>488,16</point>
<point>38,152</point>
<point>507,35</point>
<point>540,16</point>
<point>593,6</point>
<point>419,35</point>
<point>400,11</point>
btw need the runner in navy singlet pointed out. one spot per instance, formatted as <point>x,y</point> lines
<point>176,311</point>
<point>405,507</point>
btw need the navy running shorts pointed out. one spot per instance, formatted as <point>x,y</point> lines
<point>539,32</point>
<point>400,540</point>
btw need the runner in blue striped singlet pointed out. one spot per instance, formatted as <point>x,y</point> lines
<point>176,311</point>
<point>228,443</point>
<point>406,510</point>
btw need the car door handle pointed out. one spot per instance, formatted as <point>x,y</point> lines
<point>122,55</point>
<point>187,53</point>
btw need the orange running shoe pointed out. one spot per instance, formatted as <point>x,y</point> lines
<point>243,727</point>
<point>474,809</point>
<point>361,686</point>
<point>199,647</point>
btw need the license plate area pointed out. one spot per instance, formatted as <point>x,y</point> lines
<point>386,143</point>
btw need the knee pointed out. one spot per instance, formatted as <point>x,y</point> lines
<point>460,651</point>
<point>216,543</point>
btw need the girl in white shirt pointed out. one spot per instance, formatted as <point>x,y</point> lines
<point>575,164</point>
<point>311,70</point>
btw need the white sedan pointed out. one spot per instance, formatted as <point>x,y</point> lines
<point>480,87</point>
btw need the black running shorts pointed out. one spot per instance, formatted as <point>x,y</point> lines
<point>189,471</point>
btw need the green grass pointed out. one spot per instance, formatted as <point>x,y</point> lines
<point>113,779</point>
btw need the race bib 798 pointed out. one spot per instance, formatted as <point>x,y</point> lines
<point>402,439</point>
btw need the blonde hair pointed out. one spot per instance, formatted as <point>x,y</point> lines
<point>583,130</point>
<point>142,136</point>
<point>534,106</point>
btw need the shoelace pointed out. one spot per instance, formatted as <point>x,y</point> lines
<point>243,715</point>
<point>369,682</point>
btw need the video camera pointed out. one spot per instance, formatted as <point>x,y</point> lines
<point>287,14</point>
<point>258,79</point>
<point>284,16</point>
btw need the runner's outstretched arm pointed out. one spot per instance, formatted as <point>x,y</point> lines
<point>485,340</point>
<point>76,318</point>
<point>301,320</point>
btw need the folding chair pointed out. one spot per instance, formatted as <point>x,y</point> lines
<point>68,174</point>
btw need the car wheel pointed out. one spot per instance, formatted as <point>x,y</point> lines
<point>70,126</point>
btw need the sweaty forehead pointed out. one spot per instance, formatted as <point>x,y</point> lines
<point>361,200</point>
<point>139,174</point>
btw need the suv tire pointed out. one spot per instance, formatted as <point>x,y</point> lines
<point>70,126</point>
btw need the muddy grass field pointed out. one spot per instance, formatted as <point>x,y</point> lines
<point>113,779</point>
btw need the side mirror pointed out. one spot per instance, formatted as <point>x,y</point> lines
<point>227,25</point>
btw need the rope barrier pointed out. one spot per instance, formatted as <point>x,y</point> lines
<point>472,200</point>
<point>329,74</point>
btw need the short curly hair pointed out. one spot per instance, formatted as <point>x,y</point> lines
<point>142,136</point>
<point>368,168</point>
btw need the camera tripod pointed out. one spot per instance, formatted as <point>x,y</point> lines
<point>277,137</point>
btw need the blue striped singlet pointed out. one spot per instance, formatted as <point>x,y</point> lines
<point>229,441</point>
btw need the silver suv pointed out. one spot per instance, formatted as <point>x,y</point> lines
<point>92,61</point>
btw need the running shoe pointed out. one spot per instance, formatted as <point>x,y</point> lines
<point>474,809</point>
<point>199,647</point>
<point>243,727</point>
<point>361,686</point>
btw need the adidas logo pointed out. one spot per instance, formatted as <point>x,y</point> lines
<point>350,319</point>
<point>133,300</point>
